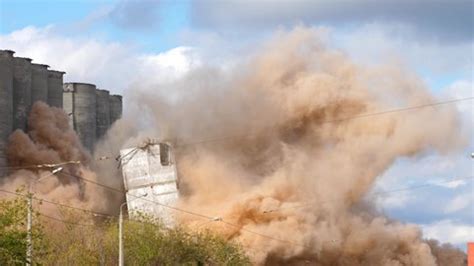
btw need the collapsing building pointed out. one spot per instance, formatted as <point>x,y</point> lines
<point>22,83</point>
<point>150,180</point>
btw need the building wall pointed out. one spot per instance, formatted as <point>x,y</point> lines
<point>55,88</point>
<point>39,83</point>
<point>21,92</point>
<point>6,103</point>
<point>68,104</point>
<point>115,108</point>
<point>82,108</point>
<point>103,113</point>
<point>149,172</point>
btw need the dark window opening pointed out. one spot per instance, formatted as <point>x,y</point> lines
<point>164,154</point>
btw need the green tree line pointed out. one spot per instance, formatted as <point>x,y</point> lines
<point>76,239</point>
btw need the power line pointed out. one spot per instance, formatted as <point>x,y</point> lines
<point>92,182</point>
<point>410,108</point>
<point>226,138</point>
<point>146,144</point>
<point>40,166</point>
<point>373,194</point>
<point>121,158</point>
<point>263,235</point>
<point>238,226</point>
<point>141,198</point>
<point>177,209</point>
<point>95,213</point>
<point>219,219</point>
<point>98,213</point>
<point>192,213</point>
<point>61,204</point>
<point>214,218</point>
<point>250,231</point>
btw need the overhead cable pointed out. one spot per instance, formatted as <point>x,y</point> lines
<point>404,109</point>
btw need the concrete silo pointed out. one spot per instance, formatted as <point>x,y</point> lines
<point>55,88</point>
<point>79,102</point>
<point>21,92</point>
<point>39,83</point>
<point>6,103</point>
<point>115,108</point>
<point>103,112</point>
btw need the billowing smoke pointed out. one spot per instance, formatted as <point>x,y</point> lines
<point>49,141</point>
<point>267,146</point>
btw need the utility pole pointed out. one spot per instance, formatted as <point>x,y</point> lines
<point>28,227</point>
<point>120,236</point>
<point>29,215</point>
<point>121,261</point>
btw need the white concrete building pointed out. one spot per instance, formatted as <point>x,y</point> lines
<point>150,179</point>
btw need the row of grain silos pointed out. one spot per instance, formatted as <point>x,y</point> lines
<point>22,83</point>
<point>92,111</point>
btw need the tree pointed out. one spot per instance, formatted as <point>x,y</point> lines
<point>79,238</point>
<point>13,232</point>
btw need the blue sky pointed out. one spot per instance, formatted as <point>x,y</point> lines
<point>163,23</point>
<point>170,37</point>
<point>93,18</point>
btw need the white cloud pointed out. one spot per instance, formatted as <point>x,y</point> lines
<point>168,66</point>
<point>439,180</point>
<point>459,203</point>
<point>397,200</point>
<point>451,184</point>
<point>86,60</point>
<point>449,231</point>
<point>116,65</point>
<point>109,65</point>
<point>434,169</point>
<point>375,43</point>
<point>462,89</point>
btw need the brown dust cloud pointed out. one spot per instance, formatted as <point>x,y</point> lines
<point>271,146</point>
